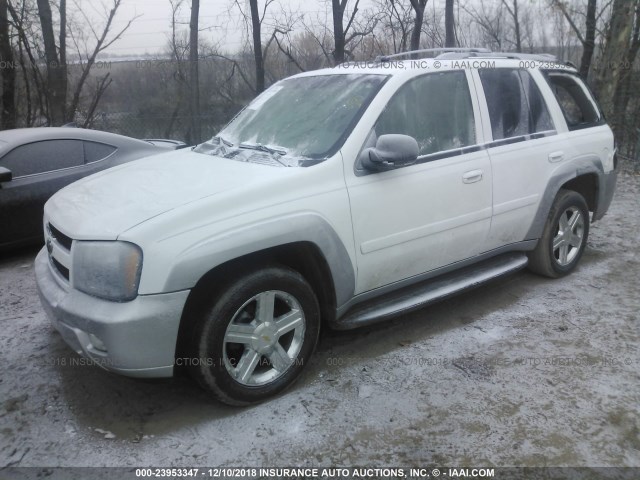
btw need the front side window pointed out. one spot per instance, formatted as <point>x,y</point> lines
<point>435,109</point>
<point>578,108</point>
<point>516,106</point>
<point>306,117</point>
<point>45,156</point>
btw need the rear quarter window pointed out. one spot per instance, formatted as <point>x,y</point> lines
<point>94,151</point>
<point>576,102</point>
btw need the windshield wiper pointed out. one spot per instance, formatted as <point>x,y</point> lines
<point>263,148</point>
<point>275,152</point>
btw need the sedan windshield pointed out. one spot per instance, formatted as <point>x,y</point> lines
<point>303,118</point>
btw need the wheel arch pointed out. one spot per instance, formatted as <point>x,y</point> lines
<point>304,257</point>
<point>586,178</point>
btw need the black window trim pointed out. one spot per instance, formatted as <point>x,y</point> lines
<point>581,83</point>
<point>432,157</point>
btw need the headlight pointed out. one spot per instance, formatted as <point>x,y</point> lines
<point>109,270</point>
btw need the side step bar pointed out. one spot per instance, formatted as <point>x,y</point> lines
<point>417,296</point>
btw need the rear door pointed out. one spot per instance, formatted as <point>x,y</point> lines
<point>523,149</point>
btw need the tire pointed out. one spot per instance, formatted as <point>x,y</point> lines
<point>564,237</point>
<point>260,361</point>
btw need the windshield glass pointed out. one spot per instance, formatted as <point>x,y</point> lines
<point>307,117</point>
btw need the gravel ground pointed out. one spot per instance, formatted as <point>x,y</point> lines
<point>524,371</point>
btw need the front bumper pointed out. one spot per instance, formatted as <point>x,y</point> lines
<point>139,336</point>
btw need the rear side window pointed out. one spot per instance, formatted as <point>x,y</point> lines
<point>45,156</point>
<point>577,105</point>
<point>515,104</point>
<point>435,109</point>
<point>94,151</point>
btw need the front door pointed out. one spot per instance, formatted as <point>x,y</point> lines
<point>436,212</point>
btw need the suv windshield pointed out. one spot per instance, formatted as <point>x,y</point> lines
<point>299,118</point>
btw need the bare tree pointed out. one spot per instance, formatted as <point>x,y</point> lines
<point>194,82</point>
<point>623,92</point>
<point>8,114</point>
<point>22,24</point>
<point>490,19</point>
<point>513,11</point>
<point>256,27</point>
<point>395,22</point>
<point>338,8</point>
<point>449,23</point>
<point>588,38</point>
<point>614,58</point>
<point>341,36</point>
<point>56,74</point>
<point>418,8</point>
<point>102,43</point>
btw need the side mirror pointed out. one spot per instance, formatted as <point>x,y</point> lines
<point>5,175</point>
<point>391,151</point>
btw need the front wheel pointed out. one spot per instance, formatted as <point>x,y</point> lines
<point>564,237</point>
<point>256,337</point>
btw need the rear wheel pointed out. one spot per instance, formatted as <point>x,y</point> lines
<point>564,237</point>
<point>256,337</point>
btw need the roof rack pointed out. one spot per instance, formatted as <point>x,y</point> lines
<point>509,55</point>
<point>386,58</point>
<point>460,53</point>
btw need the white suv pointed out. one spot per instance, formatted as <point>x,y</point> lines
<point>342,197</point>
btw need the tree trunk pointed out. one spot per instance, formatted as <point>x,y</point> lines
<point>194,83</point>
<point>418,7</point>
<point>613,60</point>
<point>449,23</point>
<point>257,46</point>
<point>623,93</point>
<point>8,114</point>
<point>589,43</point>
<point>56,79</point>
<point>338,30</point>
<point>516,22</point>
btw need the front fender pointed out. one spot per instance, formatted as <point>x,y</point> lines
<point>197,260</point>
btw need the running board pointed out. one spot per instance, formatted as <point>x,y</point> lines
<point>417,296</point>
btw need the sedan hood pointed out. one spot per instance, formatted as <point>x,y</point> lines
<point>108,203</point>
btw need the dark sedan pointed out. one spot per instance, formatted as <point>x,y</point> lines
<point>37,162</point>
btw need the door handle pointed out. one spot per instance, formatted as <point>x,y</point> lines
<point>556,157</point>
<point>472,176</point>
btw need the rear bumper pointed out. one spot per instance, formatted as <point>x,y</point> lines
<point>139,336</point>
<point>605,193</point>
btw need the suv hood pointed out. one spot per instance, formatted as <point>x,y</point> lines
<point>104,205</point>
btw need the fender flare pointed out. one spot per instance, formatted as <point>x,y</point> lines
<point>590,164</point>
<point>197,260</point>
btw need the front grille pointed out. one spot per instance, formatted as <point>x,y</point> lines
<point>59,248</point>
<point>62,239</point>
<point>64,271</point>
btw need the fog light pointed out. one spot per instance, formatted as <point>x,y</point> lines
<point>97,343</point>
